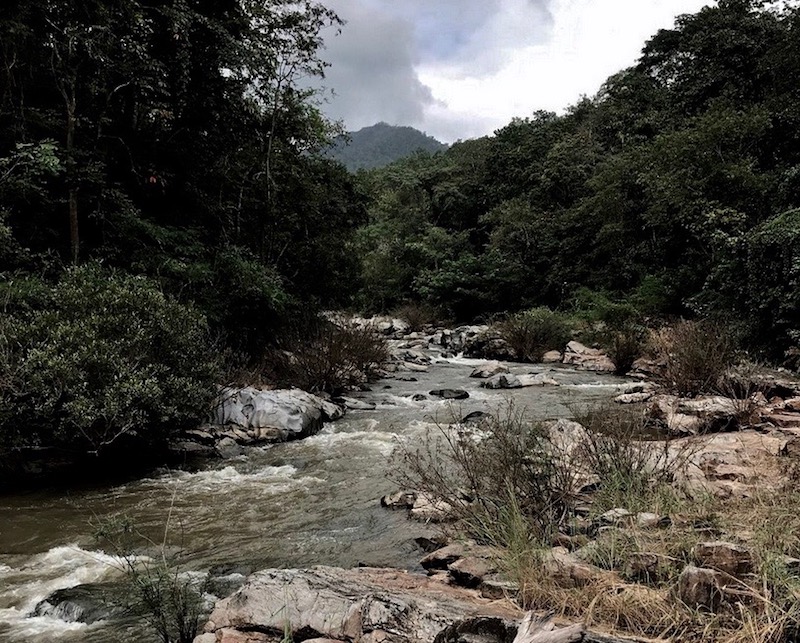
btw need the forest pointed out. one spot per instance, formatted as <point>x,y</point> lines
<point>168,213</point>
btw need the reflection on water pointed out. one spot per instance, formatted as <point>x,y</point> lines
<point>309,502</point>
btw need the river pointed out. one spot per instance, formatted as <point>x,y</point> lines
<point>314,501</point>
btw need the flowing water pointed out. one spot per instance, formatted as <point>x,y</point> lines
<point>314,501</point>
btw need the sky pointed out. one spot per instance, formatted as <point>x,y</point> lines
<point>459,69</point>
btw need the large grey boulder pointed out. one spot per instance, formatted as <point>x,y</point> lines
<point>286,413</point>
<point>362,604</point>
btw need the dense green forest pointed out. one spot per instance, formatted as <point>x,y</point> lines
<point>379,145</point>
<point>163,208</point>
<point>166,209</point>
<point>674,190</point>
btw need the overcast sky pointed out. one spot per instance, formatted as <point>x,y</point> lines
<point>458,69</point>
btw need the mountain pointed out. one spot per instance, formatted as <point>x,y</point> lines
<point>381,144</point>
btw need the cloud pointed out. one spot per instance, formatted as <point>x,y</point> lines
<point>373,68</point>
<point>463,68</point>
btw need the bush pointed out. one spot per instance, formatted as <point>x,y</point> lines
<point>534,332</point>
<point>635,472</point>
<point>697,355</point>
<point>326,356</point>
<point>625,346</point>
<point>99,356</point>
<point>503,480</point>
<point>417,316</point>
<point>169,601</point>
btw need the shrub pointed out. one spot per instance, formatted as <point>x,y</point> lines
<point>99,356</point>
<point>534,332</point>
<point>503,480</point>
<point>169,601</point>
<point>697,354</point>
<point>635,472</point>
<point>625,346</point>
<point>327,356</point>
<point>417,316</point>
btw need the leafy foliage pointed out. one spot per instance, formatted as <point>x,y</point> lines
<point>534,332</point>
<point>98,358</point>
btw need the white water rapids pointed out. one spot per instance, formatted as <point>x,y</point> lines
<point>314,501</point>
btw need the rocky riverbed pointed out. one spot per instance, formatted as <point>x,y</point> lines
<point>253,501</point>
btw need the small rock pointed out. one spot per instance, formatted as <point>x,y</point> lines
<point>700,587</point>
<point>419,397</point>
<point>567,571</point>
<point>399,500</point>
<point>450,394</point>
<point>615,517</point>
<point>502,381</point>
<point>725,557</point>
<point>551,357</point>
<point>489,369</point>
<point>470,571</point>
<point>644,566</point>
<point>647,520</point>
<point>633,398</point>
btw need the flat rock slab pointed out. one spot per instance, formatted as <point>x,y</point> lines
<point>350,605</point>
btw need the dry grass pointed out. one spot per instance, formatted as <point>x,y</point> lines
<point>697,354</point>
<point>623,595</point>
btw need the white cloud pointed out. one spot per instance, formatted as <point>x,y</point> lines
<point>492,59</point>
<point>588,42</point>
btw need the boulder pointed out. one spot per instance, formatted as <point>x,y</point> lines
<point>444,556</point>
<point>488,343</point>
<point>362,604</point>
<point>82,604</point>
<point>293,412</point>
<point>587,359</point>
<point>633,398</point>
<point>357,405</point>
<point>716,413</point>
<point>427,509</point>
<point>228,448</point>
<point>489,369</point>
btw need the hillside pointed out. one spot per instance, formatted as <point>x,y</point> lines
<point>381,144</point>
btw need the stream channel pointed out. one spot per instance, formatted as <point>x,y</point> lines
<point>313,501</point>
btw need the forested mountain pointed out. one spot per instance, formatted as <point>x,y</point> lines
<point>381,144</point>
<point>675,189</point>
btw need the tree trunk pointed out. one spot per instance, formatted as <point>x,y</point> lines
<point>72,181</point>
